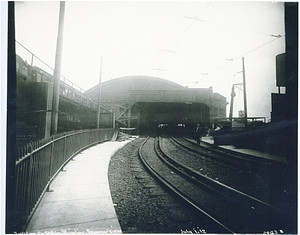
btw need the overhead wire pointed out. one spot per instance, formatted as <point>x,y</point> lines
<point>201,56</point>
<point>240,56</point>
<point>227,59</point>
<point>194,19</point>
<point>167,51</point>
<point>227,78</point>
<point>230,60</point>
<point>247,30</point>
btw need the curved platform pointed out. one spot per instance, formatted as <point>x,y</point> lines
<point>252,152</point>
<point>79,199</point>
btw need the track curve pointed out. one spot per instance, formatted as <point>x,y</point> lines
<point>231,210</point>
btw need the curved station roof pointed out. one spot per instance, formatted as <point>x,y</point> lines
<point>117,89</point>
<point>153,100</point>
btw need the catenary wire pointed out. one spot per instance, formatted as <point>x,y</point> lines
<point>240,56</point>
<point>212,22</point>
<point>167,53</point>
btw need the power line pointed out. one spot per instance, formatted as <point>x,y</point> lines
<point>247,30</point>
<point>183,34</point>
<point>200,55</point>
<point>194,18</point>
<point>277,37</point>
<point>239,57</point>
<point>218,83</point>
<point>168,51</point>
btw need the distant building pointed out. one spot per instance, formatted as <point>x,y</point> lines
<point>146,102</point>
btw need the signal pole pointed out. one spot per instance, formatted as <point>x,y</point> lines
<point>99,96</point>
<point>244,88</point>
<point>57,70</point>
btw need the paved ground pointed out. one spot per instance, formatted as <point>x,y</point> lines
<point>81,199</point>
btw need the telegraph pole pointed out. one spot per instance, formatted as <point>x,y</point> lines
<point>99,96</point>
<point>245,97</point>
<point>57,70</point>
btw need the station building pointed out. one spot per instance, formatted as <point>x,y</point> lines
<point>144,102</point>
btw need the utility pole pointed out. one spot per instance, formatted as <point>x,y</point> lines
<point>231,104</point>
<point>245,97</point>
<point>99,96</point>
<point>57,70</point>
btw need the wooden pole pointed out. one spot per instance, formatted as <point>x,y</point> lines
<point>57,70</point>
<point>99,96</point>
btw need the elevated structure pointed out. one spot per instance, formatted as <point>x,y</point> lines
<point>34,88</point>
<point>145,102</point>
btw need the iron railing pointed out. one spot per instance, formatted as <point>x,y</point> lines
<point>38,163</point>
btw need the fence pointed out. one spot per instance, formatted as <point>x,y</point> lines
<point>38,163</point>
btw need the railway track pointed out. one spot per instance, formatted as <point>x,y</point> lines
<point>241,174</point>
<point>225,209</point>
<point>234,158</point>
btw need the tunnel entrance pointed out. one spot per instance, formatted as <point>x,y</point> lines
<point>173,116</point>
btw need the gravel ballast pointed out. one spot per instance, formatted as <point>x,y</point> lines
<point>141,204</point>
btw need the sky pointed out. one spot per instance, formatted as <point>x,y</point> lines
<point>197,44</point>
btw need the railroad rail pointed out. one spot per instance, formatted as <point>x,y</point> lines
<point>220,188</point>
<point>222,204</point>
<point>175,190</point>
<point>242,174</point>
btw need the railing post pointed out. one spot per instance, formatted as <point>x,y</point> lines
<point>29,184</point>
<point>51,162</point>
<point>90,141</point>
<point>64,153</point>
